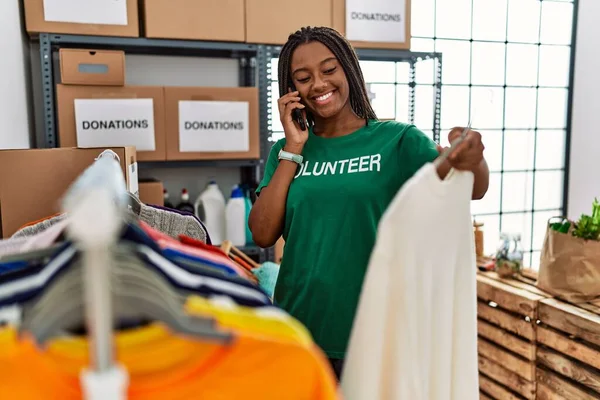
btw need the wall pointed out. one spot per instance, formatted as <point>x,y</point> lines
<point>15,96</point>
<point>584,173</point>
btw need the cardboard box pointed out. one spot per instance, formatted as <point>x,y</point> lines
<point>272,21</point>
<point>180,141</point>
<point>92,67</point>
<point>116,18</point>
<point>151,192</point>
<point>339,23</point>
<point>221,20</point>
<point>42,177</point>
<point>117,122</point>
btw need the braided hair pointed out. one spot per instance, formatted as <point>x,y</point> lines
<point>345,54</point>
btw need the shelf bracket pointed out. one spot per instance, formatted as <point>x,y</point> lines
<point>252,71</point>
<point>264,56</point>
<point>48,90</point>
<point>437,107</point>
<point>243,71</point>
<point>411,92</point>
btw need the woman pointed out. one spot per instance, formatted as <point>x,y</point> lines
<point>326,187</point>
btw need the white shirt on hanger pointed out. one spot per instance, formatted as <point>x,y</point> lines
<point>415,332</point>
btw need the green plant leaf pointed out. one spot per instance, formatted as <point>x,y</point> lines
<point>588,227</point>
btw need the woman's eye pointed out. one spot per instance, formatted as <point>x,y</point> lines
<point>330,70</point>
<point>303,80</point>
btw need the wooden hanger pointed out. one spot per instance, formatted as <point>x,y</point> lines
<point>233,252</point>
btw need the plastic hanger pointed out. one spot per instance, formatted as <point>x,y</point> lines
<point>135,204</point>
<point>446,153</point>
<point>138,295</point>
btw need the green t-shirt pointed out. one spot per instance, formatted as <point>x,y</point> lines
<point>333,208</point>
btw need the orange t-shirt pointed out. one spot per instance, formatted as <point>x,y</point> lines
<point>164,366</point>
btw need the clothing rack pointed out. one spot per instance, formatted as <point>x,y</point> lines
<point>96,204</point>
<point>104,264</point>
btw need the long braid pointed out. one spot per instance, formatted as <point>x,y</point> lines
<point>343,51</point>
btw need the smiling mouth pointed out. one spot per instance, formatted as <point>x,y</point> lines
<point>323,98</point>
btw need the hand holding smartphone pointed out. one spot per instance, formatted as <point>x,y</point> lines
<point>293,118</point>
<point>299,118</point>
<point>297,113</point>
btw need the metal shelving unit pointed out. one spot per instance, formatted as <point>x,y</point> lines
<point>50,44</point>
<point>254,70</point>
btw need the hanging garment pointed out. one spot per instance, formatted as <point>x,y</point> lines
<point>172,223</point>
<point>12,246</point>
<point>169,244</point>
<point>50,315</point>
<point>129,275</point>
<point>266,322</point>
<point>197,243</point>
<point>207,254</point>
<point>39,240</point>
<point>415,333</point>
<point>190,262</point>
<point>197,256</point>
<point>267,275</point>
<point>25,283</point>
<point>248,294</point>
<point>168,221</point>
<point>194,227</point>
<point>35,227</point>
<point>161,366</point>
<point>31,223</point>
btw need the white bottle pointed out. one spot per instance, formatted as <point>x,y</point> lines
<point>235,215</point>
<point>210,208</point>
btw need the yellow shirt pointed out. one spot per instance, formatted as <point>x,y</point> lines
<point>264,322</point>
<point>163,366</point>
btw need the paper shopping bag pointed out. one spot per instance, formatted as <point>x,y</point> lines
<point>569,266</point>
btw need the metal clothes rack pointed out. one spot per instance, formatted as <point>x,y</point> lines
<point>254,70</point>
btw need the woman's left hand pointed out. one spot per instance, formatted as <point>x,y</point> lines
<point>468,155</point>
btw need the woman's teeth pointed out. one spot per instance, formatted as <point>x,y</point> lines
<point>324,97</point>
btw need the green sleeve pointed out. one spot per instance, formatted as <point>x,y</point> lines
<point>271,166</point>
<point>416,149</point>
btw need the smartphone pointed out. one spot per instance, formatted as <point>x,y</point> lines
<point>297,115</point>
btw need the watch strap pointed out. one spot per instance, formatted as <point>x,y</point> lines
<point>286,155</point>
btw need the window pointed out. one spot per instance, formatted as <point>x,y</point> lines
<point>505,68</point>
<point>388,89</point>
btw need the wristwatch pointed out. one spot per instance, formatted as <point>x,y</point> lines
<point>286,155</point>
